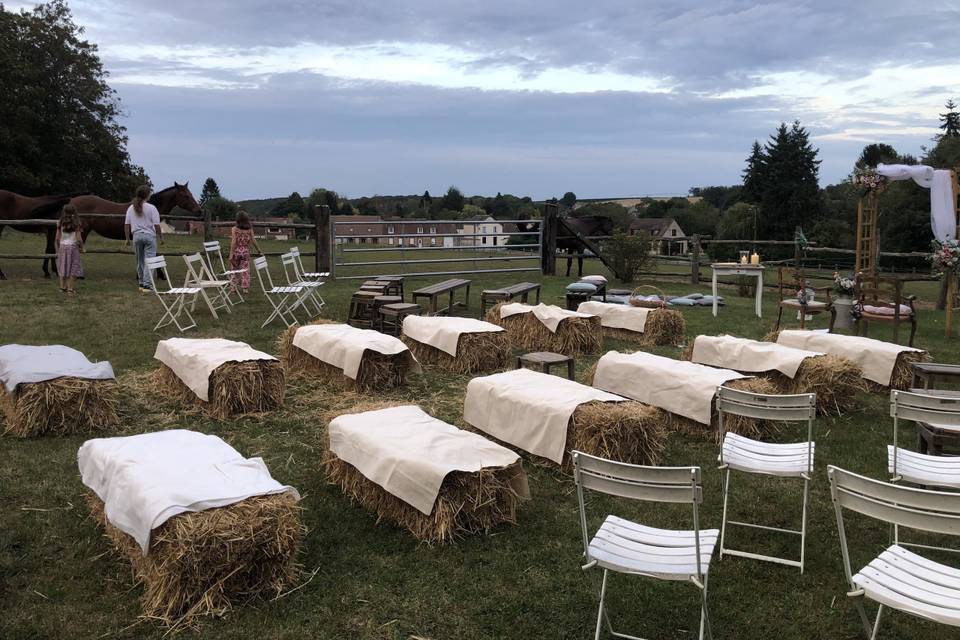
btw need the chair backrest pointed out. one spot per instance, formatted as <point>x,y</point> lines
<point>157,263</point>
<point>211,248</point>
<point>681,485</point>
<point>878,289</point>
<point>289,263</point>
<point>196,268</point>
<point>925,407</point>
<point>263,270</point>
<point>800,407</point>
<point>919,509</point>
<point>792,278</point>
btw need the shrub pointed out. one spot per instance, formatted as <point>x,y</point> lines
<point>629,254</point>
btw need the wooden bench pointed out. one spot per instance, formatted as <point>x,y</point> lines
<point>434,291</point>
<point>490,297</point>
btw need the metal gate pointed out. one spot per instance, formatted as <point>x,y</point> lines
<point>363,249</point>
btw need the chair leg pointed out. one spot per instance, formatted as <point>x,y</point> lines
<point>600,612</point>
<point>833,319</point>
<point>868,626</point>
<point>723,522</point>
<point>803,526</point>
<point>779,316</point>
<point>705,614</point>
<point>913,329</point>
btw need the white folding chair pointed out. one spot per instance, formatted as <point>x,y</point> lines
<point>278,297</point>
<point>897,578</point>
<point>794,460</point>
<point>177,296</point>
<point>198,275</point>
<point>304,274</point>
<point>626,547</point>
<point>289,262</point>
<point>920,468</point>
<point>211,249</point>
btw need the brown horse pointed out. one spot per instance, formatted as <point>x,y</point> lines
<point>13,206</point>
<point>585,226</point>
<point>165,200</point>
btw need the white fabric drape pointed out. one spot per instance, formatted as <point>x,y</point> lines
<point>20,363</point>
<point>343,346</point>
<point>943,214</point>
<point>194,359</point>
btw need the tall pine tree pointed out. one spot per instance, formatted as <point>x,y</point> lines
<point>950,121</point>
<point>210,190</point>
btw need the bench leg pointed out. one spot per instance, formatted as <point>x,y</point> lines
<point>571,370</point>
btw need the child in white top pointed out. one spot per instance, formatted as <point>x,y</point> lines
<point>69,243</point>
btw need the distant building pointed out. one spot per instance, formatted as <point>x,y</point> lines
<point>483,231</point>
<point>358,229</point>
<point>408,232</point>
<point>661,230</point>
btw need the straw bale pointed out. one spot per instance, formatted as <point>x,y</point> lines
<point>574,336</point>
<point>236,388</point>
<point>483,352</point>
<point>630,432</point>
<point>207,562</point>
<point>664,327</point>
<point>63,406</point>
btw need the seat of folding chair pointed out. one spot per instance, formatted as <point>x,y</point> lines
<point>628,547</point>
<point>180,291</point>
<point>905,581</point>
<point>316,274</point>
<point>751,456</point>
<point>310,283</point>
<point>213,283</point>
<point>920,468</point>
<point>230,272</point>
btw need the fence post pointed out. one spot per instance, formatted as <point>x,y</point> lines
<point>321,236</point>
<point>548,240</point>
<point>207,228</point>
<point>695,260</point>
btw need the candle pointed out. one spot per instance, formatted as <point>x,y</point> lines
<point>755,258</point>
<point>744,257</point>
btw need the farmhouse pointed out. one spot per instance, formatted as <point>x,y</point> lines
<point>661,231</point>
<point>492,231</point>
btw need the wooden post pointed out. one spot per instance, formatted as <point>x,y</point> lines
<point>548,239</point>
<point>207,228</point>
<point>695,261</point>
<point>321,237</point>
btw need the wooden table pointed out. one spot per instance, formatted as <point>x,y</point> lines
<point>392,315</point>
<point>545,360</point>
<point>926,374</point>
<point>737,269</point>
<point>434,291</point>
<point>506,294</point>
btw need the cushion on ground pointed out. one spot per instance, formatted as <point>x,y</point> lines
<point>886,311</point>
<point>581,287</point>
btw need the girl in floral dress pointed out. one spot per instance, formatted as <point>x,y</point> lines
<point>241,239</point>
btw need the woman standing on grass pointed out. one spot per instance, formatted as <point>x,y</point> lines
<point>143,223</point>
<point>241,238</point>
<point>69,242</point>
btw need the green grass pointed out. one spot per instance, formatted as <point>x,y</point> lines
<point>58,578</point>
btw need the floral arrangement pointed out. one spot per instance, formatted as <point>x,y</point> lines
<point>843,286</point>
<point>869,180</point>
<point>946,256</point>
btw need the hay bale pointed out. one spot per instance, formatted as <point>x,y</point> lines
<point>205,563</point>
<point>574,336</point>
<point>378,371</point>
<point>236,388</point>
<point>59,407</point>
<point>630,432</point>
<point>749,427</point>
<point>664,327</point>
<point>484,352</point>
<point>835,380</point>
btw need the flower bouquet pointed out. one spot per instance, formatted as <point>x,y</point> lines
<point>946,256</point>
<point>869,181</point>
<point>843,286</point>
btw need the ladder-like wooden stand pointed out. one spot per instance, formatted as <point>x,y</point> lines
<point>953,291</point>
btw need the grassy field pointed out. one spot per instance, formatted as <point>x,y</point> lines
<point>59,579</point>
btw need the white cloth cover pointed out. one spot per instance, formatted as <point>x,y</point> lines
<point>409,453</point>
<point>942,213</point>
<point>147,479</point>
<point>528,409</point>
<point>343,346</point>
<point>751,356</point>
<point>21,363</point>
<point>443,332</point>
<point>684,388</point>
<point>876,357</point>
<point>617,316</point>
<point>548,314</point>
<point>194,359</point>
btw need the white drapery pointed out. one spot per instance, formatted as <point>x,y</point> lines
<point>942,212</point>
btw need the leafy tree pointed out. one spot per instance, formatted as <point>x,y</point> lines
<point>210,190</point>
<point>58,116</point>
<point>452,200</point>
<point>426,201</point>
<point>293,206</point>
<point>568,200</point>
<point>346,208</point>
<point>874,154</point>
<point>950,121</point>
<point>781,178</point>
<point>719,197</point>
<point>221,208</point>
<point>617,213</point>
<point>629,254</point>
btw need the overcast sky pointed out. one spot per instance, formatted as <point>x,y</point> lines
<point>603,98</point>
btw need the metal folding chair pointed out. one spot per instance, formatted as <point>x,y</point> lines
<point>278,297</point>
<point>626,547</point>
<point>921,468</point>
<point>289,262</point>
<point>219,268</point>
<point>899,579</point>
<point>176,295</point>
<point>304,274</point>
<point>198,275</point>
<point>738,453</point>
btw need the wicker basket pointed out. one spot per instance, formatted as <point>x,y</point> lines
<point>648,304</point>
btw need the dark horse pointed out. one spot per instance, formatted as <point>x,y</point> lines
<point>585,226</point>
<point>165,200</point>
<point>13,206</point>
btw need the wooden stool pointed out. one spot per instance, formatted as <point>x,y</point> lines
<point>377,286</point>
<point>926,374</point>
<point>361,309</point>
<point>394,285</point>
<point>392,315</point>
<point>546,359</point>
<point>574,298</point>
